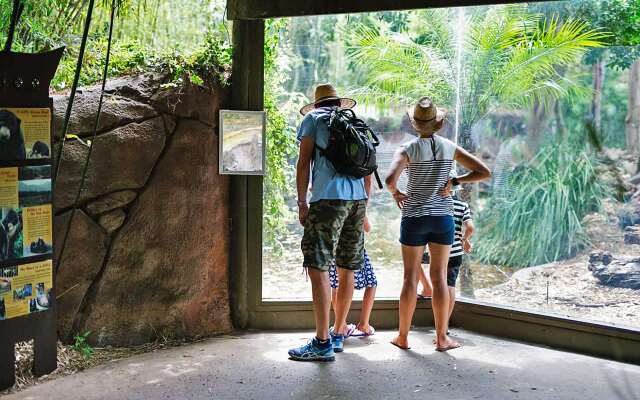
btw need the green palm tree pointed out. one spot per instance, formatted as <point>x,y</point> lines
<point>511,58</point>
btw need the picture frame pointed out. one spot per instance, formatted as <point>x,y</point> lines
<point>242,142</point>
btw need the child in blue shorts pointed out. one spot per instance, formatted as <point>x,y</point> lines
<point>364,278</point>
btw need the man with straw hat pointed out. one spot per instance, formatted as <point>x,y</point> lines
<point>333,221</point>
<point>427,213</point>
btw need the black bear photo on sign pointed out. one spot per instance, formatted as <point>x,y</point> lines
<point>10,233</point>
<point>25,133</point>
<point>12,146</point>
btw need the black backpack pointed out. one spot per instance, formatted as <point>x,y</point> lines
<point>352,145</point>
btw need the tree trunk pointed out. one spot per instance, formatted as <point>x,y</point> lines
<point>466,142</point>
<point>598,84</point>
<point>560,125</point>
<point>632,121</point>
<point>536,126</point>
<point>466,195</point>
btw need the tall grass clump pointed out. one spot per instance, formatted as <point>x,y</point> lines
<point>539,219</point>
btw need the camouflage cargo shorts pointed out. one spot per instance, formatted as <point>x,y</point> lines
<point>334,230</point>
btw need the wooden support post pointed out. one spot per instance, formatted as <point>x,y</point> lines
<point>45,344</point>
<point>246,94</point>
<point>7,361</point>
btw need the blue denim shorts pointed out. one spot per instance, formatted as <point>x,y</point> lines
<point>418,231</point>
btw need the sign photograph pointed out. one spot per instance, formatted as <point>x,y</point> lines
<point>25,289</point>
<point>242,142</point>
<point>25,133</point>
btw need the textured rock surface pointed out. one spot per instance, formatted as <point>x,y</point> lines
<point>190,101</point>
<point>153,260</point>
<point>111,201</point>
<point>632,234</point>
<point>81,262</point>
<point>623,272</point>
<point>629,213</point>
<point>112,220</point>
<point>169,262</point>
<point>116,110</point>
<point>122,159</point>
<point>138,87</point>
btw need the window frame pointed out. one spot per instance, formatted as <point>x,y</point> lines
<point>251,311</point>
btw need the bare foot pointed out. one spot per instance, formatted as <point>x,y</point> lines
<point>447,344</point>
<point>402,343</point>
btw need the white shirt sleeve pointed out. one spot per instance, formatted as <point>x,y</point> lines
<point>410,150</point>
<point>448,148</point>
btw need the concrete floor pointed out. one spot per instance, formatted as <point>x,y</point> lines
<point>255,366</point>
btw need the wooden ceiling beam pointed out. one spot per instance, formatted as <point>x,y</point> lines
<point>261,9</point>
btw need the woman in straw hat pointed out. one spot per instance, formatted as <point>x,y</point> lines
<point>427,213</point>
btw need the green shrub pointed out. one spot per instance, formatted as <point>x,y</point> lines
<point>279,180</point>
<point>540,219</point>
<point>82,346</point>
<point>210,62</point>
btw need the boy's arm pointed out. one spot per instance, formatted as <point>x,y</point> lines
<point>469,228</point>
<point>467,246</point>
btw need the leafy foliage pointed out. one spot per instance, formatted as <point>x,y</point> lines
<point>281,145</point>
<point>511,59</point>
<point>540,219</point>
<point>614,107</point>
<point>82,346</point>
<point>398,70</point>
<point>172,38</point>
<point>622,19</point>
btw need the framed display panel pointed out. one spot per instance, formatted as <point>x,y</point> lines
<point>249,308</point>
<point>27,296</point>
<point>242,142</point>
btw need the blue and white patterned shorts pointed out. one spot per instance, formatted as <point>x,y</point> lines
<point>362,278</point>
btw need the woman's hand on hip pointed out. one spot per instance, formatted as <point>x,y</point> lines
<point>400,198</point>
<point>446,190</point>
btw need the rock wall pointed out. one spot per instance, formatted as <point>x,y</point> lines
<point>147,254</point>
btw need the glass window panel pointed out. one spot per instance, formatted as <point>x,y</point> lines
<point>552,116</point>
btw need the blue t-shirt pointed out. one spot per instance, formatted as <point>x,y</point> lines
<point>326,183</point>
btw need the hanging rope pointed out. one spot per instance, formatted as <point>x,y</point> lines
<point>18,7</point>
<point>93,138</point>
<point>74,87</point>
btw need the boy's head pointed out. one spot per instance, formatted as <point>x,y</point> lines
<point>454,189</point>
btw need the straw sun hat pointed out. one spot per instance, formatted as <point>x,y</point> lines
<point>326,92</point>
<point>425,116</point>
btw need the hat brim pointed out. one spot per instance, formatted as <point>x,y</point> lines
<point>427,127</point>
<point>345,102</point>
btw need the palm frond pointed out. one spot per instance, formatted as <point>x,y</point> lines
<point>534,62</point>
<point>396,68</point>
<point>511,58</point>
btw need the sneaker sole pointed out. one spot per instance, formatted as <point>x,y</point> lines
<point>339,350</point>
<point>323,359</point>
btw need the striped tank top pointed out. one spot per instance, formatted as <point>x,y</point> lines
<point>430,161</point>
